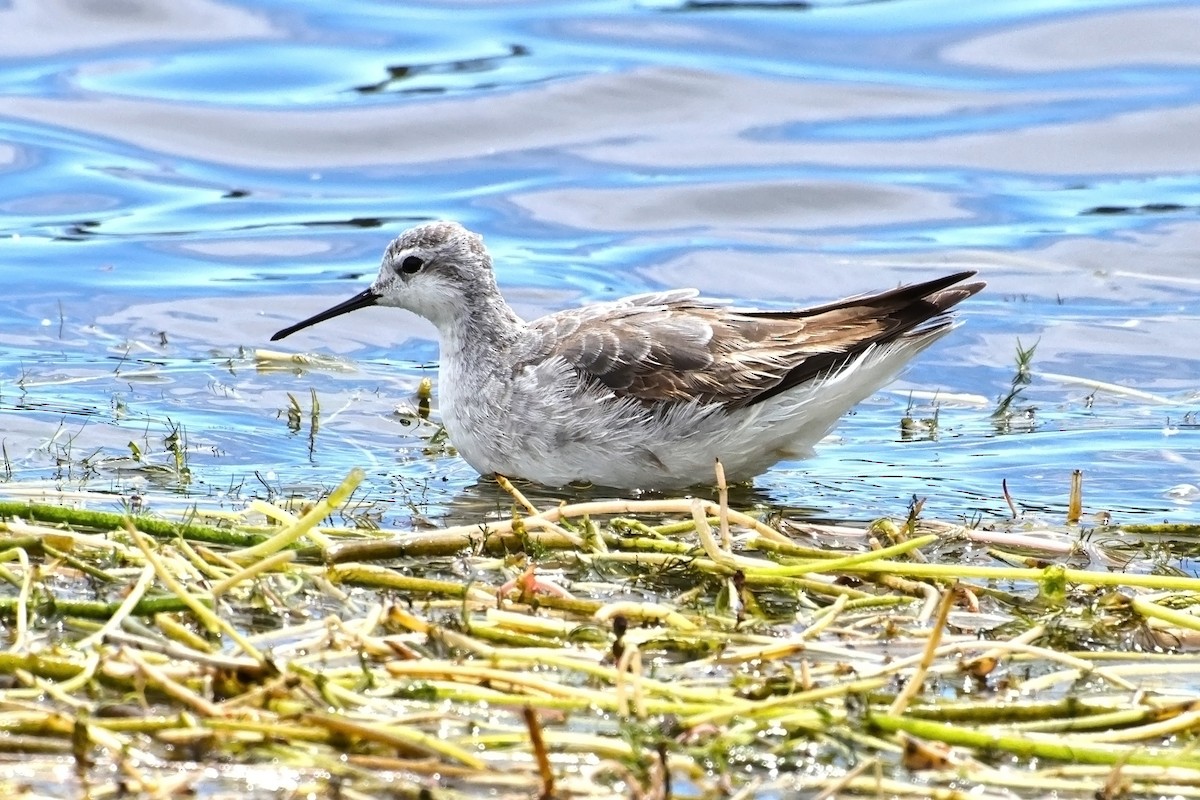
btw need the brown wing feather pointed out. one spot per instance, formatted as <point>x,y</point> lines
<point>673,347</point>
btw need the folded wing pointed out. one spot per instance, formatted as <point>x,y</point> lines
<point>671,346</point>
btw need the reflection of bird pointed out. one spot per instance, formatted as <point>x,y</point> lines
<point>644,392</point>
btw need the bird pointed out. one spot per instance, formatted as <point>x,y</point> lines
<point>649,391</point>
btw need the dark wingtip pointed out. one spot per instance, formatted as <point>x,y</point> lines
<point>947,298</point>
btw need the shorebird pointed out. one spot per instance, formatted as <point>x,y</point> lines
<point>647,391</point>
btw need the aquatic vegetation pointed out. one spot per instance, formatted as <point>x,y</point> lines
<point>646,647</point>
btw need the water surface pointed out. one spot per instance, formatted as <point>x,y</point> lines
<point>180,181</point>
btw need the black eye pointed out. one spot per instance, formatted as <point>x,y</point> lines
<point>412,264</point>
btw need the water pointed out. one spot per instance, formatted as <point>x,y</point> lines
<point>181,180</point>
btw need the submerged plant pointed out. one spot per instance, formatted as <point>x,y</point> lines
<point>913,428</point>
<point>1022,378</point>
<point>176,444</point>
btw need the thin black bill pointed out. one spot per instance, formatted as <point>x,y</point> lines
<point>363,299</point>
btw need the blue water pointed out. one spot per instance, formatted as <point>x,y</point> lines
<point>181,180</point>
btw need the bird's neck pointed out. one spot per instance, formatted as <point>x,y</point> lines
<point>489,325</point>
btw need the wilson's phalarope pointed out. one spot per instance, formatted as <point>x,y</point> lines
<point>643,392</point>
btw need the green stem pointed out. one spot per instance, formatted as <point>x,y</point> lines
<point>1047,746</point>
<point>106,521</point>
